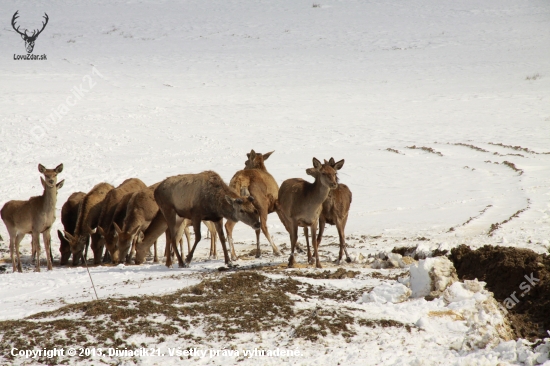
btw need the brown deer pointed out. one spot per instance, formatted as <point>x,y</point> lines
<point>197,197</point>
<point>69,214</point>
<point>140,212</point>
<point>335,212</point>
<point>255,180</point>
<point>300,204</point>
<point>34,216</point>
<point>87,221</point>
<point>105,225</point>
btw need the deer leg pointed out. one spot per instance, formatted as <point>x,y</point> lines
<point>229,225</point>
<point>322,223</point>
<point>343,225</point>
<point>36,246</point>
<point>213,233</point>
<point>306,234</point>
<point>263,221</point>
<point>155,258</point>
<point>188,238</point>
<point>219,229</point>
<point>46,236</point>
<point>197,229</point>
<point>315,244</point>
<point>293,239</point>
<point>84,258</point>
<point>18,238</point>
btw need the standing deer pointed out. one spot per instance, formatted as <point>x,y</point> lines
<point>69,214</point>
<point>105,226</point>
<point>335,212</point>
<point>87,221</point>
<point>255,180</point>
<point>34,216</point>
<point>300,204</point>
<point>197,197</point>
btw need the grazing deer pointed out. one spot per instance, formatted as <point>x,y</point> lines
<point>255,180</point>
<point>105,227</point>
<point>34,216</point>
<point>140,212</point>
<point>300,204</point>
<point>87,221</point>
<point>69,215</point>
<point>335,212</point>
<point>197,197</point>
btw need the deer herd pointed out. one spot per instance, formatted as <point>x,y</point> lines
<point>121,224</point>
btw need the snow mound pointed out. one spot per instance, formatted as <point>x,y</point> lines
<point>394,293</point>
<point>431,276</point>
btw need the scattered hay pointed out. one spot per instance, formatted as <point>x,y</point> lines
<point>494,227</point>
<point>428,149</point>
<point>339,274</point>
<point>394,151</point>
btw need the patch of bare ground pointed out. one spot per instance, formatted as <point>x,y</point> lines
<point>517,147</point>
<point>339,274</point>
<point>394,151</point>
<point>470,219</point>
<point>470,146</point>
<point>494,227</point>
<point>508,164</point>
<point>512,272</point>
<point>222,305</point>
<point>427,149</point>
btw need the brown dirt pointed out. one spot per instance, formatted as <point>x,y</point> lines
<point>339,274</point>
<point>504,269</point>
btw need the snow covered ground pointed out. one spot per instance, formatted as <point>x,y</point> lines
<point>441,110</point>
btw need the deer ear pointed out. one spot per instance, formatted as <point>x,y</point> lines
<point>331,161</point>
<point>310,171</point>
<point>229,200</point>
<point>43,182</point>
<point>58,169</point>
<point>325,161</point>
<point>316,163</point>
<point>117,228</point>
<point>338,165</point>
<point>68,236</point>
<point>60,184</point>
<point>252,154</point>
<point>267,155</point>
<point>41,168</point>
<point>136,230</point>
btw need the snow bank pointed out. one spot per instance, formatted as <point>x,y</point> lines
<point>394,293</point>
<point>431,276</point>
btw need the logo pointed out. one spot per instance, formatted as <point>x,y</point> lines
<point>29,39</point>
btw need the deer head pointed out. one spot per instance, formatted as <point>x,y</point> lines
<point>325,173</point>
<point>29,40</point>
<point>256,160</point>
<point>244,210</point>
<point>50,176</point>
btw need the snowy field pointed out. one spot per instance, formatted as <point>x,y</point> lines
<point>441,110</point>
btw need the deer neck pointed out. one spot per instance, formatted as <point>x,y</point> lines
<point>49,198</point>
<point>228,211</point>
<point>320,192</point>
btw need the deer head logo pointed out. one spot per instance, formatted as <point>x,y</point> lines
<point>29,39</point>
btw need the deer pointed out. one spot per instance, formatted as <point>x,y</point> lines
<point>34,216</point>
<point>255,180</point>
<point>105,226</point>
<point>197,197</point>
<point>86,222</point>
<point>300,204</point>
<point>29,40</point>
<point>140,211</point>
<point>335,212</point>
<point>69,214</point>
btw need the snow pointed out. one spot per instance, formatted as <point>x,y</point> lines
<point>175,87</point>
<point>431,276</point>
